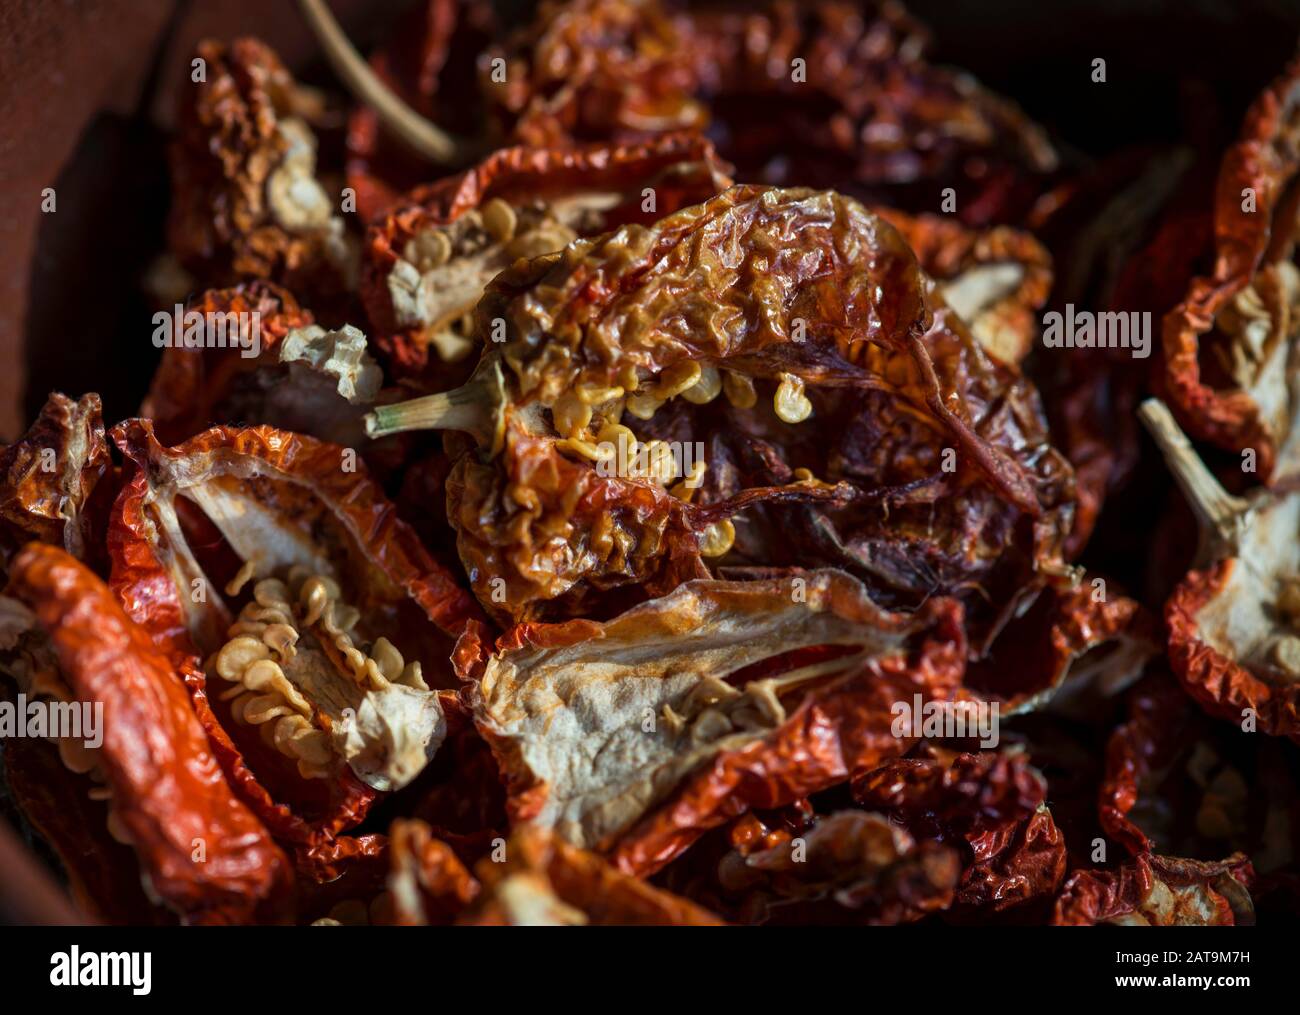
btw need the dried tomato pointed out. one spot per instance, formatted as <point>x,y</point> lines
<point>1231,626</point>
<point>783,688</point>
<point>201,851</point>
<point>55,479</point>
<point>246,199</point>
<point>827,94</point>
<point>851,867</point>
<point>1160,891</point>
<point>311,657</point>
<point>1227,346</point>
<point>751,287</point>
<point>993,802</point>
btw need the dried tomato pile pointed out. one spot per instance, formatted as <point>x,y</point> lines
<point>653,501</point>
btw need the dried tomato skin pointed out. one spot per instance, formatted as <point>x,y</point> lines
<point>849,305</point>
<point>1017,867</point>
<point>1249,245</point>
<point>388,553</point>
<point>973,795</point>
<point>681,169</point>
<point>878,338</point>
<point>190,385</point>
<point>854,867</point>
<point>54,801</point>
<point>1222,685</point>
<point>1196,893</point>
<point>427,879</point>
<point>994,803</point>
<point>174,795</point>
<point>224,225</point>
<point>587,889</point>
<point>55,480</point>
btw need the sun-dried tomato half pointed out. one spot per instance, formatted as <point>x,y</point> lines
<point>201,851</point>
<point>1160,891</point>
<point>1234,622</point>
<point>630,738</point>
<point>311,626</point>
<point>247,202</point>
<point>753,289</point>
<point>1229,347</point>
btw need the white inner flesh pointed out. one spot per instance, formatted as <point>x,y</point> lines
<point>1241,622</point>
<point>612,724</point>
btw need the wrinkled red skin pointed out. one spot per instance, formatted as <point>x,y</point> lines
<point>991,801</point>
<point>842,876</point>
<point>1220,685</point>
<point>907,525</point>
<point>1263,161</point>
<point>168,789</point>
<point>65,507</point>
<point>519,174</point>
<point>191,384</point>
<point>55,801</point>
<point>631,73</point>
<point>898,379</point>
<point>1092,897</point>
<point>151,597</point>
<point>1015,865</point>
<point>1138,748</point>
<point>836,729</point>
<point>971,797</point>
